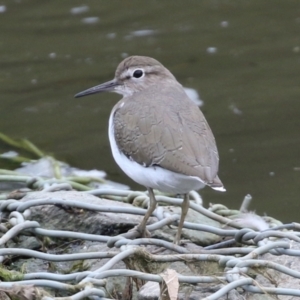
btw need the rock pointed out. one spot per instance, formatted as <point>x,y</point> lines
<point>27,242</point>
<point>63,218</point>
<point>149,291</point>
<point>105,223</point>
<point>198,237</point>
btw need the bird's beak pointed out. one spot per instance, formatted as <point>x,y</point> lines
<point>108,86</point>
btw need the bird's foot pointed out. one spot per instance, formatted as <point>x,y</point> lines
<point>176,241</point>
<point>141,231</point>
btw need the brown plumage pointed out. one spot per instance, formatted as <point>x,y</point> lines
<point>158,136</point>
<point>175,137</point>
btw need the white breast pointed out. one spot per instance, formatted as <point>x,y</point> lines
<point>153,177</point>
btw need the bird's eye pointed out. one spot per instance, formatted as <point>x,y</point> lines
<point>138,73</point>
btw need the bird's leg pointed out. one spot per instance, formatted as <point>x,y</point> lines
<point>142,227</point>
<point>184,209</point>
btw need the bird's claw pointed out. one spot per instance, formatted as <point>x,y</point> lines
<point>142,231</point>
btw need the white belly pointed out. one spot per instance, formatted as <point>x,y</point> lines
<point>153,177</point>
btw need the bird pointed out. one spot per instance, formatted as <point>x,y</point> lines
<point>158,136</point>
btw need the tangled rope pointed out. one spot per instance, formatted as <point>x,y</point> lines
<point>236,261</point>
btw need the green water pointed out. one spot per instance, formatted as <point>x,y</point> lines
<point>47,54</point>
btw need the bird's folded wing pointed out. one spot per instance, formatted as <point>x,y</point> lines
<point>175,137</point>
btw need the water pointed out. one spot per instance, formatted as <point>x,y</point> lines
<point>242,57</point>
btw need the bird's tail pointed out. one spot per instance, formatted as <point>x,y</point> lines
<point>217,185</point>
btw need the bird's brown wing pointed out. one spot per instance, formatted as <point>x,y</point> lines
<point>171,133</point>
